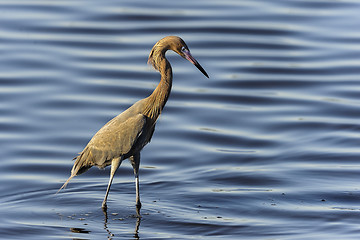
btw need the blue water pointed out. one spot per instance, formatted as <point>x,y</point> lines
<point>266,148</point>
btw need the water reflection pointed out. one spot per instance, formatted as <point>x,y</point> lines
<point>79,230</point>
<point>137,224</point>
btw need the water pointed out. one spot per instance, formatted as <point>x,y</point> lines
<point>267,148</point>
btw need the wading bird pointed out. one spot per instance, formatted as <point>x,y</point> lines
<point>124,136</point>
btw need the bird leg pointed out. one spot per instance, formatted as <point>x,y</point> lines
<point>135,162</point>
<point>114,166</point>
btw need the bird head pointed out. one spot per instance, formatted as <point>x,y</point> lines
<point>177,45</point>
<point>182,49</point>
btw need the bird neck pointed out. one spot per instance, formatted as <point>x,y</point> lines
<point>157,100</point>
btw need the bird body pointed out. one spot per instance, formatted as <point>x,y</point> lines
<point>125,135</point>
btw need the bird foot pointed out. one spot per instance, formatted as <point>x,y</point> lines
<point>104,206</point>
<point>138,207</point>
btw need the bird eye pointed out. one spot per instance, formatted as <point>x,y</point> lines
<point>183,49</point>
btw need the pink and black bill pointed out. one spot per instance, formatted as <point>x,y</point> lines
<point>191,59</point>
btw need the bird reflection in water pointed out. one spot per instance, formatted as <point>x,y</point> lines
<point>109,233</point>
<point>137,225</point>
<point>124,136</point>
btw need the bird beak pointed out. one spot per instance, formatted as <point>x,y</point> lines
<point>191,59</point>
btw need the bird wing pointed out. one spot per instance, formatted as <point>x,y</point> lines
<point>113,140</point>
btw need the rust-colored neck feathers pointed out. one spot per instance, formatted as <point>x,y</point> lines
<point>157,100</point>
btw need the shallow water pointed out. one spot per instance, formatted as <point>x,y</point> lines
<point>267,148</point>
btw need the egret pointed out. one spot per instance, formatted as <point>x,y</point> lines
<point>124,136</point>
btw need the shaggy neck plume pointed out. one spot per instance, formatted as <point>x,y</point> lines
<point>157,100</point>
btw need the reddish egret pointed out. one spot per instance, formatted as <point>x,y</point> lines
<point>125,135</point>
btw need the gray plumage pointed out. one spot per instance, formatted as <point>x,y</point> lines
<point>124,136</point>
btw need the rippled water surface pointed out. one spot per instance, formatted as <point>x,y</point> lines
<point>266,148</point>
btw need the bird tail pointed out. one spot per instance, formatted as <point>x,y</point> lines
<point>66,183</point>
<point>81,165</point>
